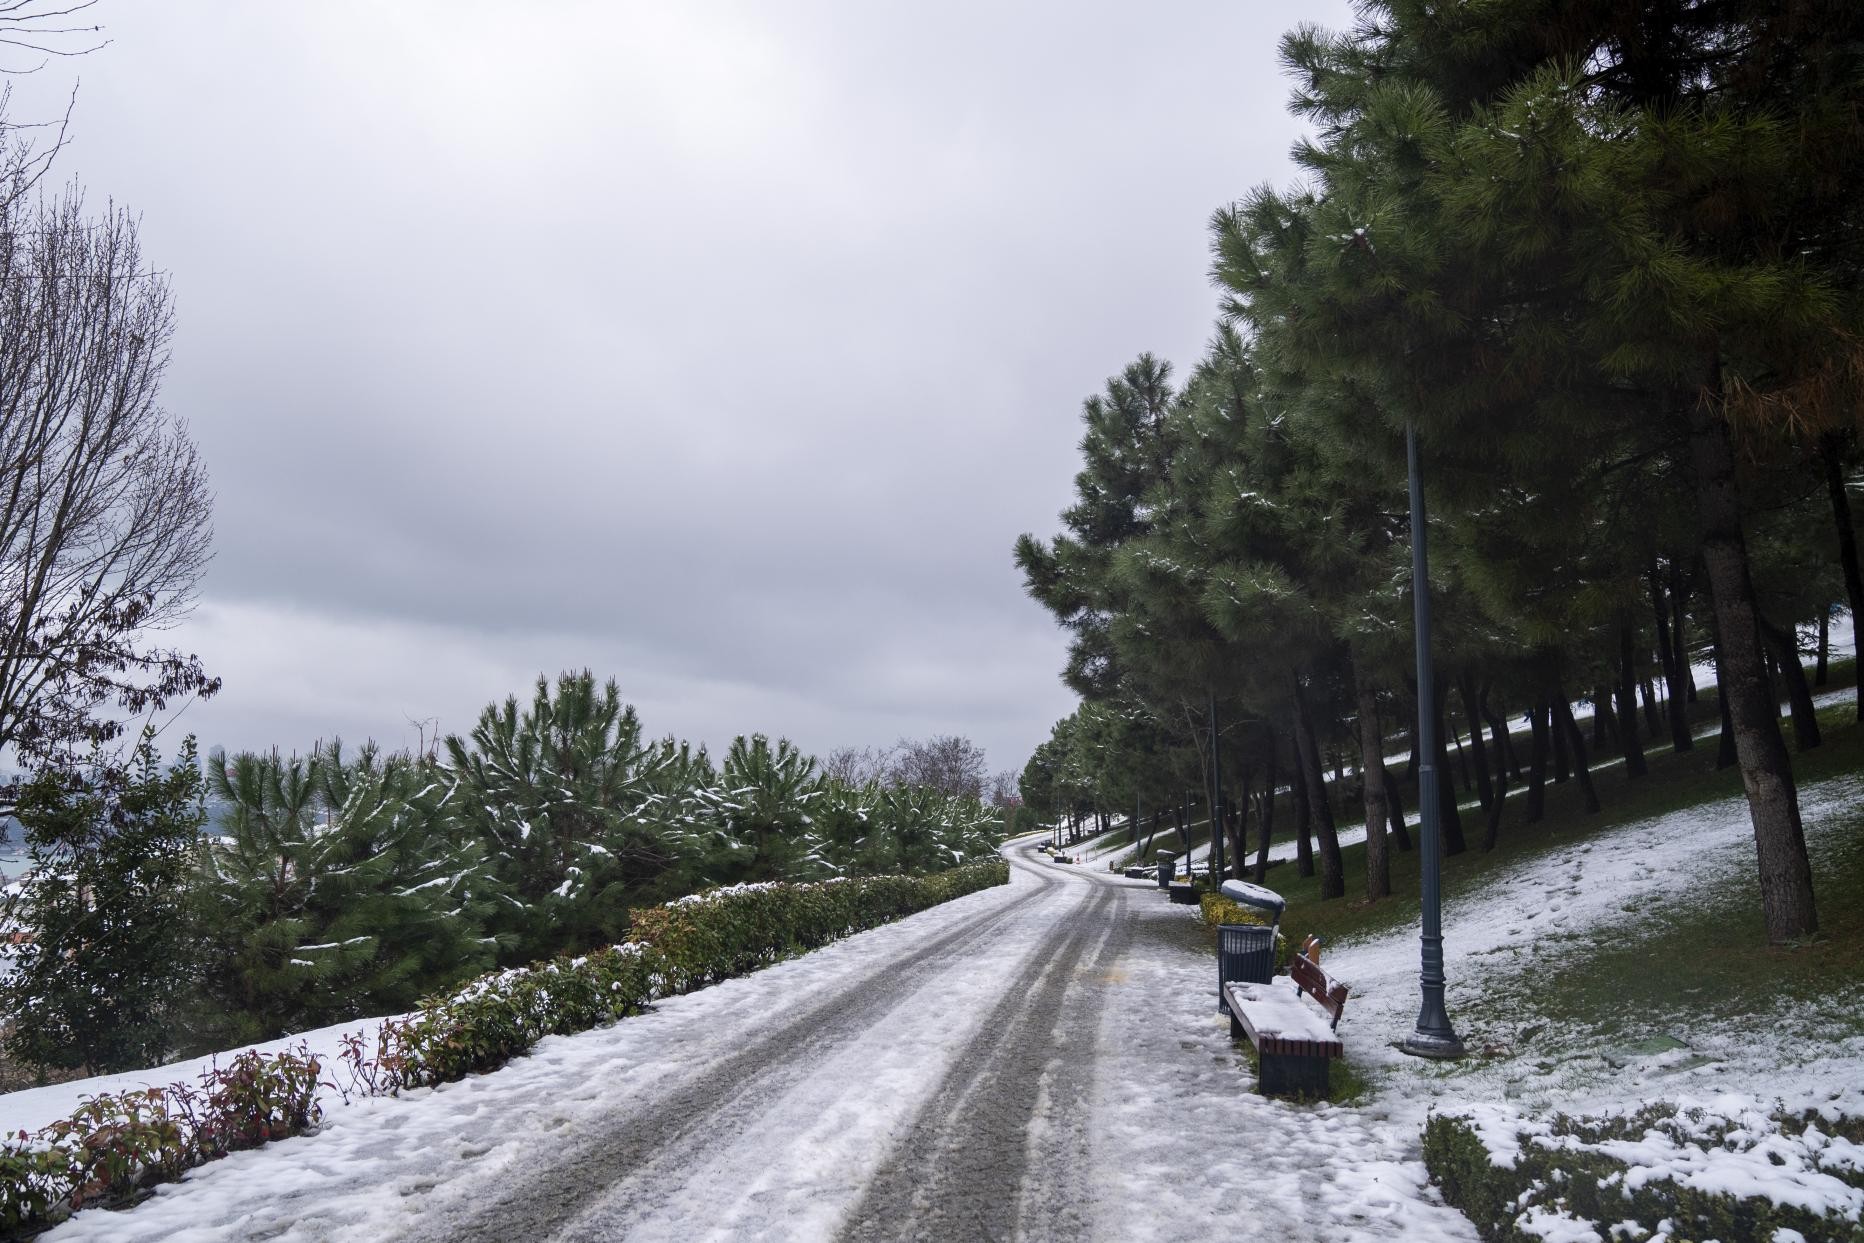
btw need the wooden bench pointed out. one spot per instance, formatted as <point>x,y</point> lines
<point>1295,1045</point>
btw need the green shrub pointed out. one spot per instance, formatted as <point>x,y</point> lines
<point>1522,1172</point>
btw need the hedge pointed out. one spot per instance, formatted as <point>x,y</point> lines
<point>1518,1179</point>
<point>1214,909</point>
<point>117,1146</point>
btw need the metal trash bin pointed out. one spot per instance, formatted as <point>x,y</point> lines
<point>1168,866</point>
<point>1246,952</point>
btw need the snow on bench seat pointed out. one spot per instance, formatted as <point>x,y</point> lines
<point>1278,1022</point>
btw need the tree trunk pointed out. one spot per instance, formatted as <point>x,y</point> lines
<point>1498,729</point>
<point>1725,745</point>
<point>1394,805</point>
<point>1563,723</point>
<point>1682,591</point>
<point>1820,673</point>
<point>1265,814</point>
<point>1627,703</point>
<point>1653,715</point>
<point>1466,687</point>
<point>1492,827</point>
<point>1562,762</point>
<point>1450,819</point>
<point>1831,448</point>
<point>1675,667</point>
<point>1237,824</point>
<point>1604,728</point>
<point>1462,756</point>
<point>1766,768</point>
<point>1537,761</point>
<point>1332,871</point>
<point>1303,815</point>
<point>1798,693</point>
<point>1372,780</point>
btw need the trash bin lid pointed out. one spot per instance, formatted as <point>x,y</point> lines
<point>1243,893</point>
<point>1165,854</point>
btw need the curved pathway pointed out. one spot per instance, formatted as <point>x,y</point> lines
<point>1038,1061</point>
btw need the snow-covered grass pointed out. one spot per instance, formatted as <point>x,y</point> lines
<point>1627,967</point>
<point>1552,1024</point>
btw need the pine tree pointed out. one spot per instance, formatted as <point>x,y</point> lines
<point>766,795</point>
<point>332,889</point>
<point>561,795</point>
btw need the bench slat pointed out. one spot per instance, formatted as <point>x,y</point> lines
<point>1316,983</point>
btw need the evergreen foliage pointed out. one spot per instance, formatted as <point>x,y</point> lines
<point>1600,258</point>
<point>95,982</point>
<point>332,888</point>
<point>339,884</point>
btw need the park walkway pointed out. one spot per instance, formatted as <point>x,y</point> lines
<point>1039,1061</point>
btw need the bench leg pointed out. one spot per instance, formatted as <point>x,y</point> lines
<point>1236,1028</point>
<point>1291,1074</point>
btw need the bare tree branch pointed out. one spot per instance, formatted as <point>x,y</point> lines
<point>33,26</point>
<point>104,504</point>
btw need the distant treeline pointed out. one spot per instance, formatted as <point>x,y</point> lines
<point>346,883</point>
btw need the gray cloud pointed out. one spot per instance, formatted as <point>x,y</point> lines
<point>722,350</point>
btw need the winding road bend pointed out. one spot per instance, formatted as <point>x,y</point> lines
<point>1038,1061</point>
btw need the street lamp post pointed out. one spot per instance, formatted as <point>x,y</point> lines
<point>1434,1036</point>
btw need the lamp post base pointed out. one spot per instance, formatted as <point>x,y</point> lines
<point>1443,1047</point>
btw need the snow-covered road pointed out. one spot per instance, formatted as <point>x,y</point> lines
<point>1039,1061</point>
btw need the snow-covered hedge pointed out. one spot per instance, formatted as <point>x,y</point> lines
<point>685,944</point>
<point>501,1016</point>
<point>118,1145</point>
<point>1727,1170</point>
<point>721,933</point>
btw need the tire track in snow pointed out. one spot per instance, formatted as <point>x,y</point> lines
<point>1012,1099</point>
<point>648,1146</point>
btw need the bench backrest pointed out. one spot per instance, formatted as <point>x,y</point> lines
<point>1310,979</point>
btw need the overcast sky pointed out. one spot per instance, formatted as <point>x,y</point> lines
<point>721,348</point>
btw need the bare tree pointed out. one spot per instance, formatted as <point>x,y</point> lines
<point>857,766</point>
<point>1005,790</point>
<point>947,762</point>
<point>104,503</point>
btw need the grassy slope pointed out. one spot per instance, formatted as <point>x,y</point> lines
<point>1712,955</point>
